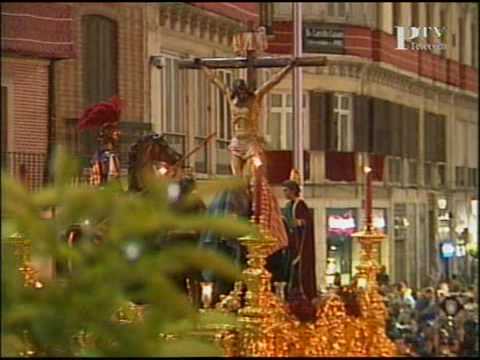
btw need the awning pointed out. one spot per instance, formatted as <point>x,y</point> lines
<point>37,29</point>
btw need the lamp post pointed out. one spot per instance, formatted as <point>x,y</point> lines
<point>298,126</point>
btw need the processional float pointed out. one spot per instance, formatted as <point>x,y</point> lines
<point>266,325</point>
<point>349,324</point>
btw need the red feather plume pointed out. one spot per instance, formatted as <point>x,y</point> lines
<point>101,114</point>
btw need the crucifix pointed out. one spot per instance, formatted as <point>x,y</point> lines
<point>245,97</point>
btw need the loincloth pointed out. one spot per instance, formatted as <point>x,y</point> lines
<point>246,147</point>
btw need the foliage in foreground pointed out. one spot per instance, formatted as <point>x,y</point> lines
<point>104,275</point>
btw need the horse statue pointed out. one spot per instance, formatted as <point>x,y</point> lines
<point>151,155</point>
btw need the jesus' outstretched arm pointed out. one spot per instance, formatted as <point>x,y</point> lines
<point>269,85</point>
<point>216,80</point>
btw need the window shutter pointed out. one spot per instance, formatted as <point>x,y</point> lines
<point>100,58</point>
<point>405,117</point>
<point>396,125</point>
<point>441,144</point>
<point>331,130</point>
<point>381,120</point>
<point>387,128</point>
<point>426,136</point>
<point>410,134</point>
<point>320,116</point>
<point>361,123</point>
<point>435,137</point>
<point>376,130</point>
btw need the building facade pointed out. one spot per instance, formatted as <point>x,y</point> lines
<point>410,114</point>
<point>27,59</point>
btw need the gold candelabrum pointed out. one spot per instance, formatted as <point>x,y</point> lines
<point>354,327</point>
<point>23,252</point>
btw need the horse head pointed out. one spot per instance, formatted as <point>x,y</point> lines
<point>151,154</point>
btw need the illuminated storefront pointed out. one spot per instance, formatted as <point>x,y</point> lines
<point>341,224</point>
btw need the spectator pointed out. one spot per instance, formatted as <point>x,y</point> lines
<point>407,297</point>
<point>455,285</point>
<point>382,277</point>
<point>426,308</point>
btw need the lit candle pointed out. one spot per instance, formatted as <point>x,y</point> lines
<point>207,290</point>
<point>368,197</point>
<point>369,200</point>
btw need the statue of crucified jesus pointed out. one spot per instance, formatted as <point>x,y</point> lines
<point>245,107</point>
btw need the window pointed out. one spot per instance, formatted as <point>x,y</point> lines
<point>394,170</point>
<point>100,63</point>
<point>342,124</point>
<point>280,121</point>
<point>172,98</point>
<point>224,124</point>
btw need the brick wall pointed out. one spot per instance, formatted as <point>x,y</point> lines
<point>132,65</point>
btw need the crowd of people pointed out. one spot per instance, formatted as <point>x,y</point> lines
<point>439,320</point>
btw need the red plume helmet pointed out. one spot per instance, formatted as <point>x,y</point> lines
<point>101,115</point>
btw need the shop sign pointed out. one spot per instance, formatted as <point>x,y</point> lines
<point>322,38</point>
<point>341,225</point>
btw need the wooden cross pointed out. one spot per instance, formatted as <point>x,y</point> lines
<point>250,61</point>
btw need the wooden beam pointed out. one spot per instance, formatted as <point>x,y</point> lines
<point>242,62</point>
